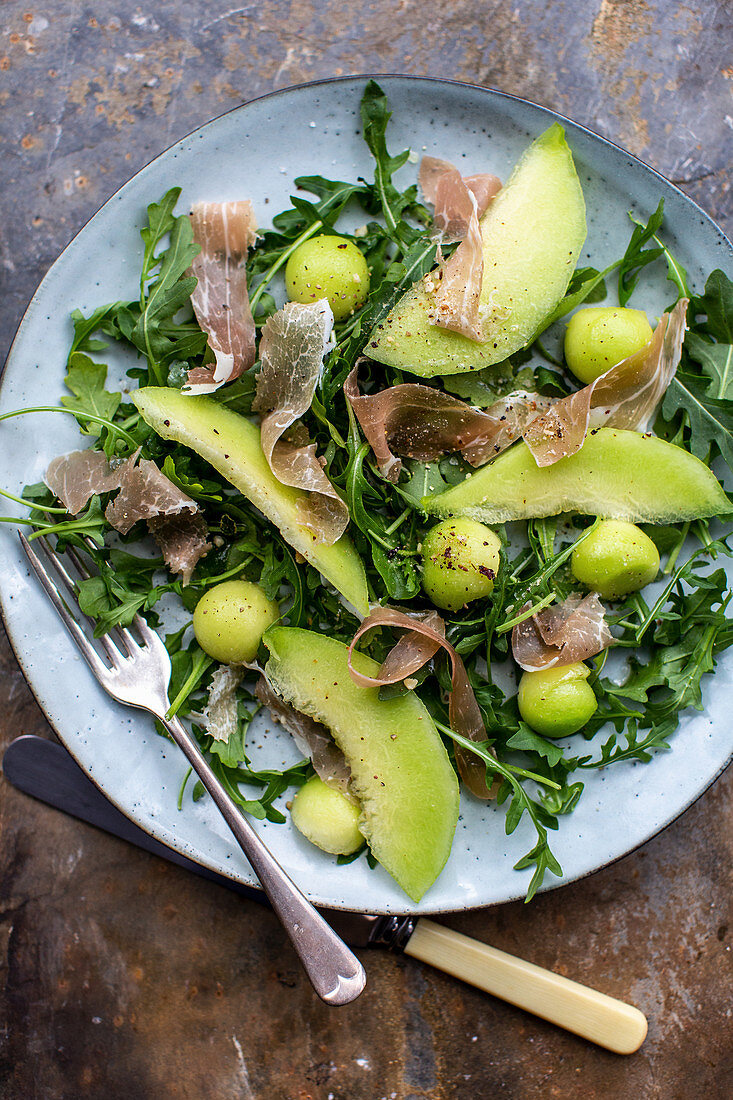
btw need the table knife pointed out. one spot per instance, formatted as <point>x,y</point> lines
<point>46,771</point>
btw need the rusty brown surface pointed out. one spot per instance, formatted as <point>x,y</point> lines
<point>127,977</point>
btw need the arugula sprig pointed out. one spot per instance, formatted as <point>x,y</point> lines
<point>290,229</point>
<point>588,283</point>
<point>637,256</point>
<point>698,406</point>
<point>229,759</point>
<point>164,290</point>
<point>153,324</point>
<point>392,550</point>
<point>393,203</point>
<point>512,787</point>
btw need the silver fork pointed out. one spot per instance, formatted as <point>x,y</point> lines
<point>139,677</point>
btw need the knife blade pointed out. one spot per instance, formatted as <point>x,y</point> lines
<point>46,771</point>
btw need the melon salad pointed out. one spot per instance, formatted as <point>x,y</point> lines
<point>382,463</point>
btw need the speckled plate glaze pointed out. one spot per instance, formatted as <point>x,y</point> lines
<point>257,150</point>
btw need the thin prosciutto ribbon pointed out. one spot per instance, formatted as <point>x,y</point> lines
<point>625,396</point>
<point>292,346</point>
<point>424,637</point>
<point>459,204</point>
<point>443,185</point>
<point>311,737</point>
<point>225,231</point>
<point>145,493</point>
<point>424,423</point>
<point>562,634</point>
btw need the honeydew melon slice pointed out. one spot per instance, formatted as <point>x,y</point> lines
<point>616,474</point>
<point>231,444</point>
<point>400,770</point>
<point>532,234</point>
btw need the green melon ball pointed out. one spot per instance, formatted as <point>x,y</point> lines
<point>557,701</point>
<point>598,337</point>
<point>615,559</point>
<point>460,561</point>
<point>327,818</point>
<point>231,618</point>
<point>328,267</point>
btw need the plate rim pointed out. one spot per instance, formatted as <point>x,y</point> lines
<point>360,78</point>
<point>351,80</point>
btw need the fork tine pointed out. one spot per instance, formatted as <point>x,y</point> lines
<point>78,562</point>
<point>128,639</point>
<point>127,636</point>
<point>149,636</point>
<point>87,651</point>
<point>113,652</point>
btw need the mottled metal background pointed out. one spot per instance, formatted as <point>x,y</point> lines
<point>126,977</point>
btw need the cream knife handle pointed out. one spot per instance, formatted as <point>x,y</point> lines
<point>601,1019</point>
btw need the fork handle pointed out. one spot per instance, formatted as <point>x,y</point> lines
<point>335,972</point>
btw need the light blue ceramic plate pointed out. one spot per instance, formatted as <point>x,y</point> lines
<point>256,151</point>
